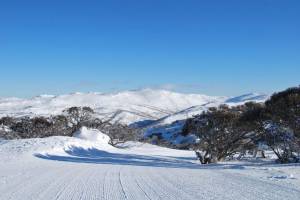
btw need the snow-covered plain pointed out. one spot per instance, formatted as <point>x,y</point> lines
<point>86,167</point>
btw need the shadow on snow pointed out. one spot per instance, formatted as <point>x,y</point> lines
<point>96,156</point>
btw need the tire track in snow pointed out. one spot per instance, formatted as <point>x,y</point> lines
<point>112,188</point>
<point>141,178</point>
<point>172,185</point>
<point>131,187</point>
<point>183,180</point>
<point>140,187</point>
<point>122,188</point>
<point>59,185</point>
<point>159,186</point>
<point>37,183</point>
<point>64,180</point>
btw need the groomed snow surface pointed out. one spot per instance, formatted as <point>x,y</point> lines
<point>87,167</point>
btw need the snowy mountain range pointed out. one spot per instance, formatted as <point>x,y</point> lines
<point>131,106</point>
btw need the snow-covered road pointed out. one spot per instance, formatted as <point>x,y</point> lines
<point>29,171</point>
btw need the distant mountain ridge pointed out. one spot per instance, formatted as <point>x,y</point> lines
<point>131,106</point>
<point>248,97</point>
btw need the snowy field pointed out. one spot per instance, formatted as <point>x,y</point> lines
<point>86,167</point>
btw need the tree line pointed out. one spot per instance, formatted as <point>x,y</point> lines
<point>66,124</point>
<point>227,131</point>
<point>222,132</point>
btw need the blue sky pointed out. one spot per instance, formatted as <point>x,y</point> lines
<point>213,47</point>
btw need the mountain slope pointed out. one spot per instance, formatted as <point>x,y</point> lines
<point>131,106</point>
<point>247,97</point>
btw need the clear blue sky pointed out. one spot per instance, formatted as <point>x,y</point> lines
<point>214,47</point>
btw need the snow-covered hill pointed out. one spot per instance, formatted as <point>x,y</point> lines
<point>247,97</point>
<point>131,106</point>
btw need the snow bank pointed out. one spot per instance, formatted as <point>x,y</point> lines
<point>92,135</point>
<point>84,141</point>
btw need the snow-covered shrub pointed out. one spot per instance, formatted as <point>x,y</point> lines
<point>78,115</point>
<point>218,135</point>
<point>282,141</point>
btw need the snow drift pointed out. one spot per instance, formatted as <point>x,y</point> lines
<point>92,135</point>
